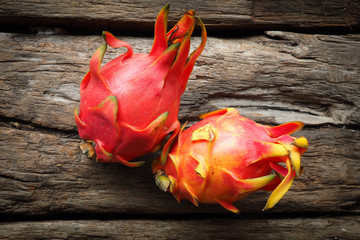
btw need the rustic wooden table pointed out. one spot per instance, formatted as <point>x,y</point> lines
<point>275,61</point>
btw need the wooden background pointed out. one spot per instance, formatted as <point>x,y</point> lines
<point>275,61</point>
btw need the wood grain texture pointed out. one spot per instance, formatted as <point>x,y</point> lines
<point>45,173</point>
<point>50,190</point>
<point>321,228</point>
<point>217,15</point>
<point>307,14</point>
<point>273,78</point>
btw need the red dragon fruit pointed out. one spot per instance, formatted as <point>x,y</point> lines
<point>226,156</point>
<point>130,104</point>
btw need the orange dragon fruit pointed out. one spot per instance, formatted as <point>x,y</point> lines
<point>130,104</point>
<point>226,156</point>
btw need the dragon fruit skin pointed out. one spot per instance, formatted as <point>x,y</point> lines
<point>226,156</point>
<point>130,104</point>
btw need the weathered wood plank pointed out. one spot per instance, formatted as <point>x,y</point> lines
<point>44,173</point>
<point>300,13</point>
<point>216,15</point>
<point>274,78</point>
<point>220,228</point>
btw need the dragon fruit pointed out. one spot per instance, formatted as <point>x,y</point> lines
<point>130,104</point>
<point>226,156</point>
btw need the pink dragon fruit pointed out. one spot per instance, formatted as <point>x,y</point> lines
<point>226,156</point>
<point>130,104</point>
